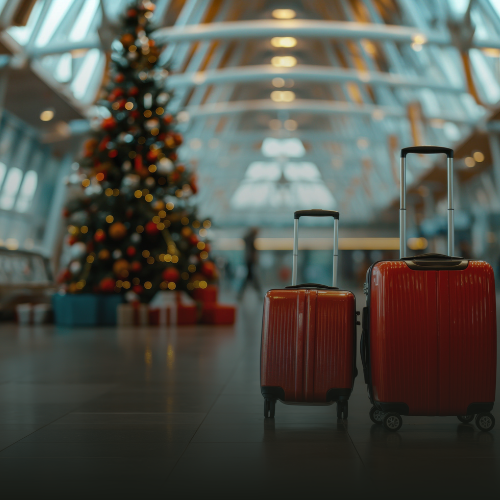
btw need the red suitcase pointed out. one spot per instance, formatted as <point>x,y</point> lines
<point>308,350</point>
<point>429,330</point>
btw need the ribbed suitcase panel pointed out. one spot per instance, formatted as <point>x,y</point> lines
<point>467,338</point>
<point>306,337</point>
<point>333,362</point>
<point>403,336</point>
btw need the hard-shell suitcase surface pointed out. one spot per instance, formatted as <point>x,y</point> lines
<point>309,340</point>
<point>429,331</point>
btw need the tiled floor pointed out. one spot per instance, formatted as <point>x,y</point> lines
<point>151,413</point>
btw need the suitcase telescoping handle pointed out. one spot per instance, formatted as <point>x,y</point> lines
<point>402,207</point>
<point>315,213</point>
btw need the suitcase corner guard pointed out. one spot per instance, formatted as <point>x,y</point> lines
<point>270,392</point>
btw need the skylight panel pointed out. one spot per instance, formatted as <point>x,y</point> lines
<point>57,10</point>
<point>83,22</point>
<point>82,80</point>
<point>27,191</point>
<point>301,171</point>
<point>289,148</point>
<point>263,171</point>
<point>10,188</point>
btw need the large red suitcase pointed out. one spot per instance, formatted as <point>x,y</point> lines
<point>429,331</point>
<point>308,350</point>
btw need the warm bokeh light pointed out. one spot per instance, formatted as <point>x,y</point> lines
<point>290,125</point>
<point>284,41</point>
<point>478,156</point>
<point>469,161</point>
<point>278,82</point>
<point>284,61</point>
<point>274,124</point>
<point>417,243</point>
<point>284,13</point>
<point>47,115</point>
<point>419,39</point>
<point>282,96</point>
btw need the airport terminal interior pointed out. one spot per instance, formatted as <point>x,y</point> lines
<point>152,156</point>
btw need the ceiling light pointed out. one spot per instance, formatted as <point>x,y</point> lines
<point>283,61</point>
<point>284,13</point>
<point>195,144</point>
<point>291,125</point>
<point>490,52</point>
<point>378,115</point>
<point>363,143</point>
<point>284,41</point>
<point>47,115</point>
<point>419,39</point>
<point>275,124</point>
<point>416,47</point>
<point>478,156</point>
<point>470,162</point>
<point>282,96</point>
<point>278,82</point>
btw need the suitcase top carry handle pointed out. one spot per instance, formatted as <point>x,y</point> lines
<point>315,213</point>
<point>427,150</point>
<point>402,206</point>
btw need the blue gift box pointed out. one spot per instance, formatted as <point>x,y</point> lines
<point>85,309</point>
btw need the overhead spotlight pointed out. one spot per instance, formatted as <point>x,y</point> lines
<point>469,161</point>
<point>291,125</point>
<point>284,41</point>
<point>478,156</point>
<point>284,13</point>
<point>278,82</point>
<point>490,52</point>
<point>47,115</point>
<point>419,39</point>
<point>283,61</point>
<point>282,96</point>
<point>275,124</point>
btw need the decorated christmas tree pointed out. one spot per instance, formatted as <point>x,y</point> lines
<point>132,223</point>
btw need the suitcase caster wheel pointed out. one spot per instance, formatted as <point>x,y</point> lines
<point>269,407</point>
<point>342,410</point>
<point>485,421</point>
<point>392,421</point>
<point>376,416</point>
<point>465,419</point>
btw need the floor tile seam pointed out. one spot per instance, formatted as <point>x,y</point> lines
<point>231,375</point>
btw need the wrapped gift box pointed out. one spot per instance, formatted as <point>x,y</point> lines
<point>178,314</point>
<point>206,295</point>
<point>218,314</point>
<point>133,314</point>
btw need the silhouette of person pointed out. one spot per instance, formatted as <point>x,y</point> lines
<point>251,260</point>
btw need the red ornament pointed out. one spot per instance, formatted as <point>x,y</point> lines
<point>131,251</point>
<point>171,274</point>
<point>113,153</point>
<point>107,285</point>
<point>135,114</point>
<point>168,118</point>
<point>66,212</point>
<point>152,155</point>
<point>64,276</point>
<point>173,156</point>
<point>99,236</point>
<point>139,167</point>
<point>151,229</point>
<point>137,289</point>
<point>175,176</point>
<point>108,123</point>
<point>193,239</point>
<point>209,270</point>
<point>119,78</point>
<point>135,266</point>
<point>104,143</point>
<point>72,240</point>
<point>133,91</point>
<point>131,13</point>
<point>178,138</point>
<point>194,184</point>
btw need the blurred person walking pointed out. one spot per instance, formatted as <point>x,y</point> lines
<point>251,260</point>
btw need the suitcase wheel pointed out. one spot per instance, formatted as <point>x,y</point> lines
<point>465,419</point>
<point>342,410</point>
<point>392,421</point>
<point>485,421</point>
<point>376,416</point>
<point>269,407</point>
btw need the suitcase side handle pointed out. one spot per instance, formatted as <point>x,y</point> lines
<point>315,213</point>
<point>402,185</point>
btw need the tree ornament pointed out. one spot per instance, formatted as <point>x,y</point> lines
<point>64,276</point>
<point>131,251</point>
<point>158,205</point>
<point>77,250</point>
<point>151,229</point>
<point>117,230</point>
<point>178,139</point>
<point>137,289</point>
<point>104,254</point>
<point>152,155</point>
<point>131,13</point>
<point>127,39</point>
<point>117,254</point>
<point>165,166</point>
<point>186,232</point>
<point>133,91</point>
<point>171,274</point>
<point>131,296</point>
<point>120,78</point>
<point>136,266</point>
<point>107,285</point>
<point>99,236</point>
<point>108,123</point>
<point>72,240</point>
<point>135,238</point>
<point>127,166</point>
<point>209,270</point>
<point>120,268</point>
<point>193,239</point>
<point>75,267</point>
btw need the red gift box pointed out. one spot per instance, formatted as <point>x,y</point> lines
<point>206,295</point>
<point>218,314</point>
<point>182,315</point>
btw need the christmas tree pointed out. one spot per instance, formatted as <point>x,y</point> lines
<point>132,224</point>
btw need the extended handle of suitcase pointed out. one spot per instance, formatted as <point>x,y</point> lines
<point>315,213</point>
<point>402,206</point>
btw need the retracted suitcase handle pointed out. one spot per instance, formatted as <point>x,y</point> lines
<point>402,206</point>
<point>315,213</point>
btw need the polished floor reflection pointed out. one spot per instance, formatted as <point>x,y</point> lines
<point>177,413</point>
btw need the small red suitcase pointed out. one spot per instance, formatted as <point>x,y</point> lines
<point>308,350</point>
<point>429,330</point>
